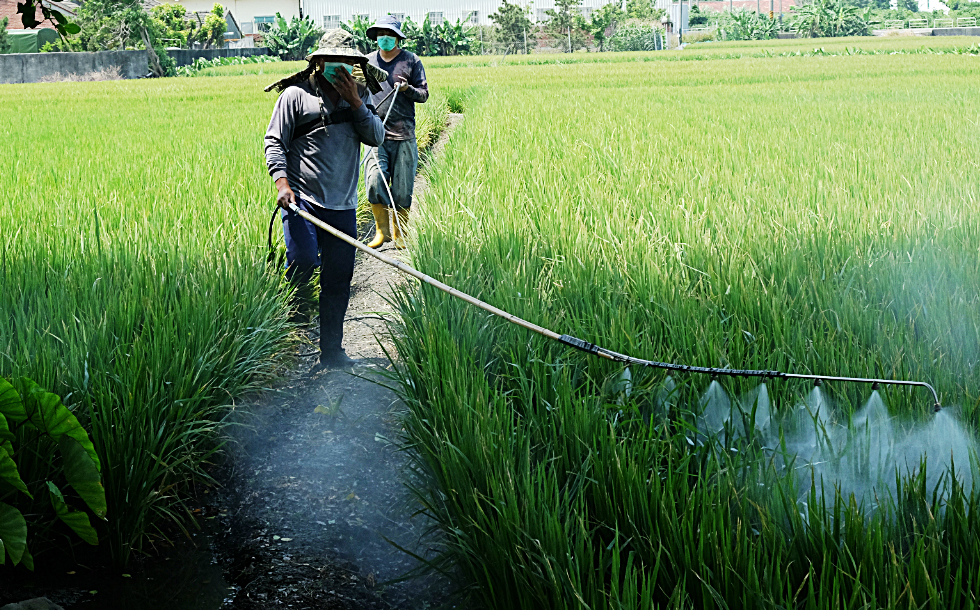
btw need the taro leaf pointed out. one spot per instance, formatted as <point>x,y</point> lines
<point>83,475</point>
<point>6,436</point>
<point>75,519</point>
<point>13,532</point>
<point>9,473</point>
<point>27,560</point>
<point>11,405</point>
<point>50,416</point>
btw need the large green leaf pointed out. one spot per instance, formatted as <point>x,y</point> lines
<point>13,532</point>
<point>75,519</point>
<point>46,412</point>
<point>11,405</point>
<point>9,472</point>
<point>83,475</point>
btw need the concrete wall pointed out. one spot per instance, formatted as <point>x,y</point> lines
<point>32,67</point>
<point>185,57</point>
<point>956,32</point>
<point>929,32</point>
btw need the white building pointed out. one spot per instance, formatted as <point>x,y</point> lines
<point>256,15</point>
<point>252,15</point>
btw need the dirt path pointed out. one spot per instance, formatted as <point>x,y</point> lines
<point>316,488</point>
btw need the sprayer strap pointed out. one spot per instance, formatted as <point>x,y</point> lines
<point>344,115</point>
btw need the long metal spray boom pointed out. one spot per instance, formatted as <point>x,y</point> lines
<point>590,347</point>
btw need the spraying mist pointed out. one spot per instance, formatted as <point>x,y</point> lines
<point>860,455</point>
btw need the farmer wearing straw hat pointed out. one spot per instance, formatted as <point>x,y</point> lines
<point>312,149</point>
<point>397,159</point>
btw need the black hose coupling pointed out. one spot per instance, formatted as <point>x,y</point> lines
<point>577,343</point>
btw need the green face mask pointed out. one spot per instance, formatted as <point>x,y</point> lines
<point>387,43</point>
<point>329,67</point>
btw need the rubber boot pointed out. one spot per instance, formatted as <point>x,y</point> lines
<point>382,233</point>
<point>401,225</point>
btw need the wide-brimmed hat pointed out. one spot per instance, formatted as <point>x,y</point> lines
<point>387,22</point>
<point>338,45</point>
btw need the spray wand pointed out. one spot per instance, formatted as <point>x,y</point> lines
<point>591,348</point>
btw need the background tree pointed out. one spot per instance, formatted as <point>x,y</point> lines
<point>105,25</point>
<point>172,25</point>
<point>454,38</point>
<point>909,5</point>
<point>565,22</point>
<point>603,24</point>
<point>641,9</point>
<point>4,40</point>
<point>512,22</point>
<point>358,26</point>
<point>211,34</point>
<point>294,40</point>
<point>697,17</point>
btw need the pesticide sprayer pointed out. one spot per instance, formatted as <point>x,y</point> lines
<point>591,348</point>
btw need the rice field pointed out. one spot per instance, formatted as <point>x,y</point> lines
<point>726,205</point>
<point>134,277</point>
<point>806,214</point>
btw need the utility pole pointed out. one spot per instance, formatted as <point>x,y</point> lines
<point>569,39</point>
<point>525,41</point>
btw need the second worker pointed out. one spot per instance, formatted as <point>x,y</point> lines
<point>398,157</point>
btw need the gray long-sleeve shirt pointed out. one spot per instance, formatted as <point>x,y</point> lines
<point>322,167</point>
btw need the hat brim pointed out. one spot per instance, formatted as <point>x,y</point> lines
<point>372,32</point>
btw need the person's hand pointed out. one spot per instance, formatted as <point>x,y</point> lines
<point>345,85</point>
<point>286,195</point>
<point>401,83</point>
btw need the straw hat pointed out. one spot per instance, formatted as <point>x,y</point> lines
<point>338,45</point>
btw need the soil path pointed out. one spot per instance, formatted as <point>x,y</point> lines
<point>315,490</point>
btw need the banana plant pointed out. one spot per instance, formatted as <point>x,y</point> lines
<point>294,39</point>
<point>46,433</point>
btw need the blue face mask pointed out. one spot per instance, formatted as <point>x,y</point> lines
<point>329,67</point>
<point>387,43</point>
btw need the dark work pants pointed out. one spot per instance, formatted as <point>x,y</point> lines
<point>306,247</point>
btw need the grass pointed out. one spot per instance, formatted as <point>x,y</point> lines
<point>134,278</point>
<point>808,214</point>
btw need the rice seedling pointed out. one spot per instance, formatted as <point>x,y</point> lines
<point>810,214</point>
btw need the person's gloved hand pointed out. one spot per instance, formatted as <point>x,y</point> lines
<point>401,83</point>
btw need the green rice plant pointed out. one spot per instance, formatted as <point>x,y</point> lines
<point>133,277</point>
<point>797,213</point>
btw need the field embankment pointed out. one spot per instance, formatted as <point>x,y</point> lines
<point>812,214</point>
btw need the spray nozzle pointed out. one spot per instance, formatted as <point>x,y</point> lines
<point>875,386</point>
<point>936,408</point>
<point>817,383</point>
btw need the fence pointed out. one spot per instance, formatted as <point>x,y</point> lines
<point>894,24</point>
<point>966,22</point>
<point>918,24</point>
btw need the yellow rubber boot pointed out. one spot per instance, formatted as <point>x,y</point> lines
<point>401,225</point>
<point>382,233</point>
